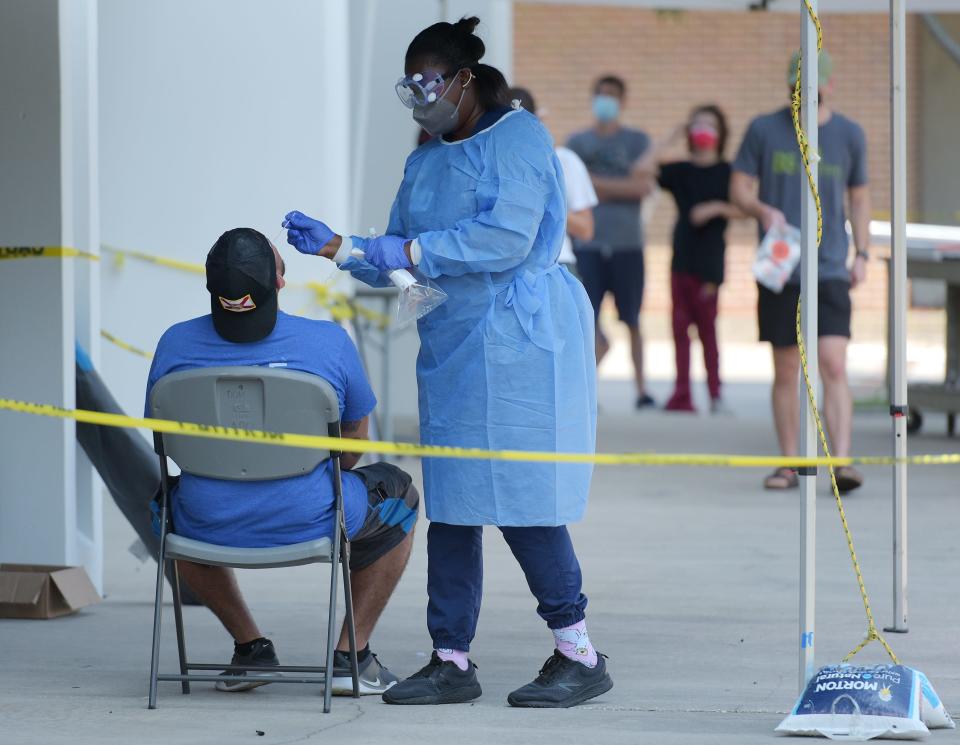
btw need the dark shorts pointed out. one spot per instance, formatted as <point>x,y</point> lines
<point>777,312</point>
<point>621,273</point>
<point>392,507</point>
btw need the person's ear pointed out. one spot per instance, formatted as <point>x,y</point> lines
<point>466,77</point>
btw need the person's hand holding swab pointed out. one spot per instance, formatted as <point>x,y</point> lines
<point>310,236</point>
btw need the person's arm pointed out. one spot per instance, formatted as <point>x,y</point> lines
<point>656,154</point>
<point>743,196</point>
<point>358,398</point>
<point>859,195</point>
<point>581,197</point>
<point>744,179</point>
<point>512,195</point>
<point>359,430</point>
<point>704,212</point>
<point>632,188</point>
<point>580,224</point>
<point>860,219</point>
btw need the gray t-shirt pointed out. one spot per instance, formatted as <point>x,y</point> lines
<point>770,152</point>
<point>616,224</point>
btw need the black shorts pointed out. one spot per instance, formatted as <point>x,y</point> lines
<point>777,312</point>
<point>393,504</point>
<point>621,273</point>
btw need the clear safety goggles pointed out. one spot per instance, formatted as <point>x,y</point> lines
<point>421,88</point>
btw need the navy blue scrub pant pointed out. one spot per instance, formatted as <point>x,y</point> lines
<point>455,578</point>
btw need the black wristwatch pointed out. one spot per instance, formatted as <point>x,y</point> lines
<point>863,255</point>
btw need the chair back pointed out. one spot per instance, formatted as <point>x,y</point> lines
<point>253,398</point>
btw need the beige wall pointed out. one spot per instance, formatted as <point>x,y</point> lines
<point>938,126</point>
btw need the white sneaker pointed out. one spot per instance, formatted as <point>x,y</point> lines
<point>374,677</point>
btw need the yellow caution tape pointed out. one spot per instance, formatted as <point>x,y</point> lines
<point>873,633</point>
<point>122,254</point>
<point>320,442</point>
<point>123,345</point>
<point>44,252</point>
<point>340,305</point>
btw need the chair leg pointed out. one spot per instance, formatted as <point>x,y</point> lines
<point>157,614</point>
<point>331,638</point>
<point>348,620</point>
<point>178,617</point>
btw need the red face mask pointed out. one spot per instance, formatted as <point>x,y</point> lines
<point>703,137</point>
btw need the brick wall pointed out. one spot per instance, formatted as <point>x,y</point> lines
<point>675,60</point>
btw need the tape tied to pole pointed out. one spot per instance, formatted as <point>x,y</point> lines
<point>808,156</point>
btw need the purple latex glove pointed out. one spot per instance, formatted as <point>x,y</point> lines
<point>305,234</point>
<point>386,252</point>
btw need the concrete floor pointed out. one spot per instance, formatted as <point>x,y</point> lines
<point>692,579</point>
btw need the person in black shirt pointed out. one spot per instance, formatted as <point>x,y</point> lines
<point>700,187</point>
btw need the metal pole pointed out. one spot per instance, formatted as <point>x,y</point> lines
<point>898,269</point>
<point>808,291</point>
<point>386,404</point>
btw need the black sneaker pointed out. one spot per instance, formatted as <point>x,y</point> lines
<point>374,676</point>
<point>440,682</point>
<point>262,654</point>
<point>563,683</point>
<point>645,401</point>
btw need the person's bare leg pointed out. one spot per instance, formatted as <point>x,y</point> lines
<point>372,588</point>
<point>217,588</point>
<point>601,343</point>
<point>784,397</point>
<point>837,401</point>
<point>636,352</point>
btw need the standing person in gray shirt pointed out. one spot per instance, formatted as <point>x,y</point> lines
<point>769,157</point>
<point>613,260</point>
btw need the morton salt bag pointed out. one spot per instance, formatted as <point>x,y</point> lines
<point>777,257</point>
<point>843,702</point>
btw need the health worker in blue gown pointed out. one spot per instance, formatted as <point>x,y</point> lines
<point>506,363</point>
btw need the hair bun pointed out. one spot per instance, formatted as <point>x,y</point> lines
<point>467,25</point>
<point>472,44</point>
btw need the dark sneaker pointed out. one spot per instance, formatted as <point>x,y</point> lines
<point>562,683</point>
<point>645,401</point>
<point>374,677</point>
<point>440,682</point>
<point>262,654</point>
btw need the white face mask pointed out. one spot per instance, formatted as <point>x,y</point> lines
<point>441,116</point>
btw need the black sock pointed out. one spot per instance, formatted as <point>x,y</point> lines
<point>362,654</point>
<point>247,647</point>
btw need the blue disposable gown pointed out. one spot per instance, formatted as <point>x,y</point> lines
<point>508,361</point>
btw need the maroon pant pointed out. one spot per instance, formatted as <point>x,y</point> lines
<point>694,304</point>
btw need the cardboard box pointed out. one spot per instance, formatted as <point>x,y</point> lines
<point>36,591</point>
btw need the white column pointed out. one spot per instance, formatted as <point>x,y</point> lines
<point>49,499</point>
<point>898,285</point>
<point>334,132</point>
<point>808,289</point>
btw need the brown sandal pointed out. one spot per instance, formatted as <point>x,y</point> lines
<point>848,478</point>
<point>782,478</point>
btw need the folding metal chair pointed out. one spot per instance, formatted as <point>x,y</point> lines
<point>259,398</point>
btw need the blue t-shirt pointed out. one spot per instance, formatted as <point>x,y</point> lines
<point>284,511</point>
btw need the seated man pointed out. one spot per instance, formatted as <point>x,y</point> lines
<point>244,275</point>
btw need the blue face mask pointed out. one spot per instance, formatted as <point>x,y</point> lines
<point>606,108</point>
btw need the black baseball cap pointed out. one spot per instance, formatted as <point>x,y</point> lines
<point>242,280</point>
